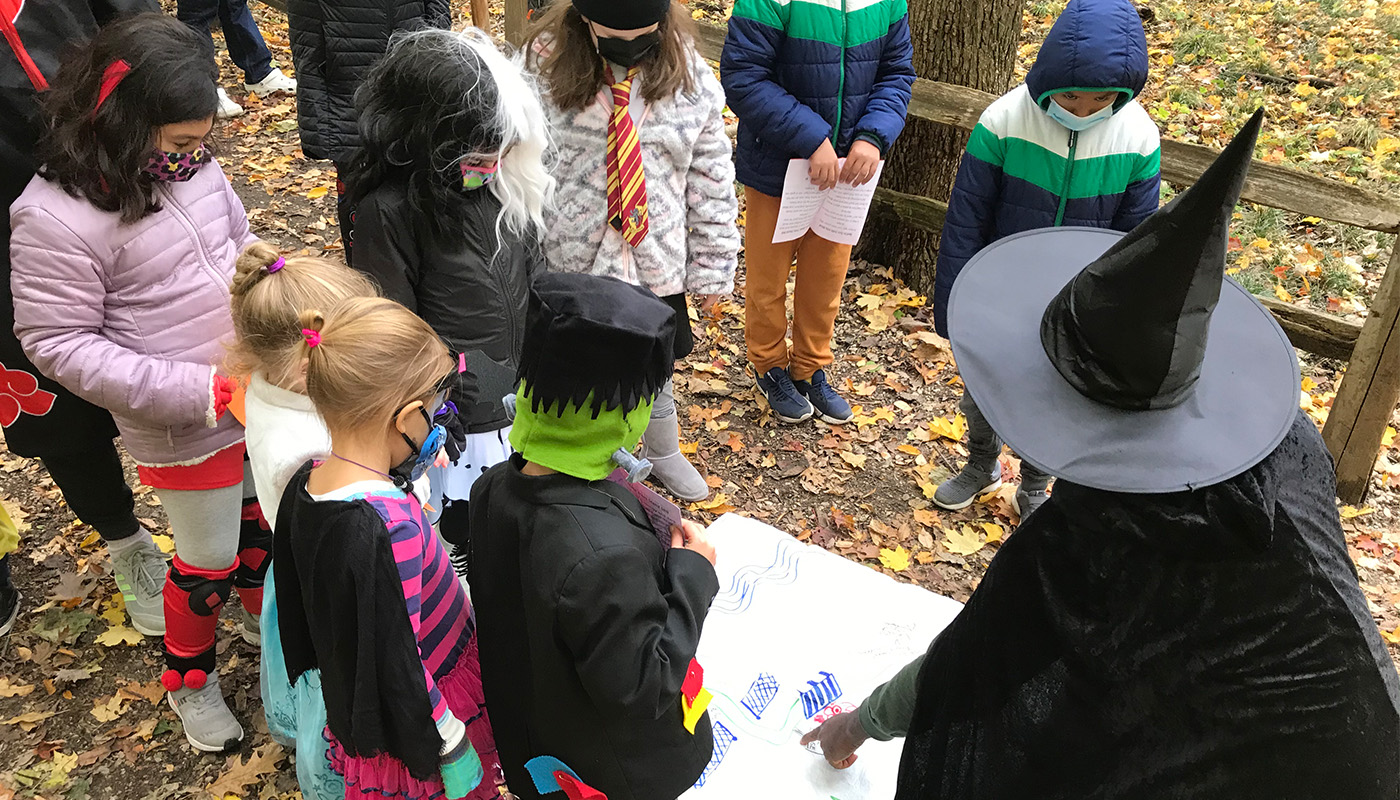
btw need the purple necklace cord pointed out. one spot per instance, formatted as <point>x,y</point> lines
<point>362,466</point>
<point>275,266</point>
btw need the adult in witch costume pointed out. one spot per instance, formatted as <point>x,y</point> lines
<point>1181,618</point>
<point>589,610</point>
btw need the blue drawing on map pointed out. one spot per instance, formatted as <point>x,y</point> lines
<point>761,692</point>
<point>821,694</point>
<point>723,739</point>
<point>781,571</point>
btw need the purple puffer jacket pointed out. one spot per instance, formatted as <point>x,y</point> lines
<point>133,317</point>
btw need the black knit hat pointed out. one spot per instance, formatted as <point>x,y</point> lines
<point>588,335</point>
<point>624,15</point>
<point>1129,363</point>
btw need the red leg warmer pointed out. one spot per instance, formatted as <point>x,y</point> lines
<point>193,597</point>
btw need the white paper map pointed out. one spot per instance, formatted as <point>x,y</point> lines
<point>795,634</point>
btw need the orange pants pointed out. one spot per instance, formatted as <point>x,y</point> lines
<point>821,270</point>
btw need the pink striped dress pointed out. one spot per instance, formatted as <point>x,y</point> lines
<point>444,624</point>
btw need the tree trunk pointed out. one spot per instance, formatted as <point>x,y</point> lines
<point>967,42</point>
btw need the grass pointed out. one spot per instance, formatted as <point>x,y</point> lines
<point>1202,44</point>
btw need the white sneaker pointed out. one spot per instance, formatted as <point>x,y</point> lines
<point>274,82</point>
<point>210,726</point>
<point>140,574</point>
<point>228,108</point>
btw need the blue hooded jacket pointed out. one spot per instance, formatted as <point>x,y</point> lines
<point>1023,170</point>
<point>799,72</point>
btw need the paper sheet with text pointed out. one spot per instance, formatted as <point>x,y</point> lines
<point>837,215</point>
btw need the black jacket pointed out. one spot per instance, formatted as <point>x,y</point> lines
<point>1204,644</point>
<point>334,44</point>
<point>47,29</point>
<point>473,293</point>
<point>587,627</point>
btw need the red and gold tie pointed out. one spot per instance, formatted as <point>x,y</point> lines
<point>627,183</point>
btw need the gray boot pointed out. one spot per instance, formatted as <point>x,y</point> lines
<point>661,444</point>
<point>982,473</point>
<point>210,726</point>
<point>1032,492</point>
<point>975,480</point>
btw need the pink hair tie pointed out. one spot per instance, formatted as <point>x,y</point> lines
<point>111,76</point>
<point>313,338</point>
<point>276,265</point>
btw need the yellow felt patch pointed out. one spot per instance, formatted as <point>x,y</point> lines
<point>694,710</point>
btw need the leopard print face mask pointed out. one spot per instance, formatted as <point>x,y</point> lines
<point>177,167</point>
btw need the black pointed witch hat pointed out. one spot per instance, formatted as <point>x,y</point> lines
<point>1129,362</point>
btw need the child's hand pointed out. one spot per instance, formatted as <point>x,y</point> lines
<point>690,536</point>
<point>223,394</point>
<point>861,163</point>
<point>840,737</point>
<point>824,167</point>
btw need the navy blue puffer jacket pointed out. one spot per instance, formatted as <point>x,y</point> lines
<point>799,72</point>
<point>1023,170</point>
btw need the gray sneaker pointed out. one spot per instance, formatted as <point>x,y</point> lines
<point>959,491</point>
<point>251,627</point>
<point>210,726</point>
<point>140,574</point>
<point>1025,503</point>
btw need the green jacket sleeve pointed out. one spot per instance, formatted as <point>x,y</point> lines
<point>886,713</point>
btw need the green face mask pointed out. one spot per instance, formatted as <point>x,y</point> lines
<point>575,443</point>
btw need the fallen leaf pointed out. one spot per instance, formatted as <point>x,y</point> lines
<point>120,634</point>
<point>318,193</point>
<point>908,449</point>
<point>953,428</point>
<point>735,443</point>
<point>29,719</point>
<point>108,709</point>
<point>239,775</point>
<point>925,516</point>
<point>994,531</point>
<point>1351,512</point>
<point>8,689</point>
<point>718,504</point>
<point>896,559</point>
<point>962,542</point>
<point>857,461</point>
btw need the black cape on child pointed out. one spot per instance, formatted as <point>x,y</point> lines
<point>1181,619</point>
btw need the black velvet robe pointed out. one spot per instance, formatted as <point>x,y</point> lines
<point>1205,644</point>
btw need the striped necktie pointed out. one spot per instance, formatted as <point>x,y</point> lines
<point>627,184</point>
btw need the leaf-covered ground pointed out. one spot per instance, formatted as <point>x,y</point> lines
<point>81,715</point>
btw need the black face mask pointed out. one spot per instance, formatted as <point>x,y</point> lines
<point>628,52</point>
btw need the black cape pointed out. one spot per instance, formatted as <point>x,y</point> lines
<point>587,626</point>
<point>341,610</point>
<point>1206,644</point>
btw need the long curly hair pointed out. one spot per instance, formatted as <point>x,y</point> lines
<point>438,97</point>
<point>99,156</point>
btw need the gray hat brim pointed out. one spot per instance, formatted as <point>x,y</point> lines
<point>1241,408</point>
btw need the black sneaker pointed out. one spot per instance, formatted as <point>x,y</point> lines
<point>829,405</point>
<point>787,403</point>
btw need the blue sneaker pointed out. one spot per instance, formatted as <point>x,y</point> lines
<point>787,403</point>
<point>829,405</point>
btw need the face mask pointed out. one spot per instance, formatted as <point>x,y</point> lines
<point>1058,113</point>
<point>475,177</point>
<point>628,52</point>
<point>176,167</point>
<point>421,457</point>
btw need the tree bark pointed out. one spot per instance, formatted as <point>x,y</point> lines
<point>967,42</point>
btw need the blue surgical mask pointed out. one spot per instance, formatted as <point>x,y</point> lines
<point>1058,113</point>
<point>421,456</point>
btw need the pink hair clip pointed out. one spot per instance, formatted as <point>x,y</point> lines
<point>313,338</point>
<point>276,265</point>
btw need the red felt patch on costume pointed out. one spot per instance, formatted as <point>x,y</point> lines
<point>694,680</point>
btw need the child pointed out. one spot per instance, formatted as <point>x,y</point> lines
<point>588,624</point>
<point>72,437</point>
<point>334,46</point>
<point>449,191</point>
<point>1071,146</point>
<point>123,249</point>
<point>364,590</point>
<point>646,180</point>
<point>809,80</point>
<point>283,431</point>
<point>9,595</point>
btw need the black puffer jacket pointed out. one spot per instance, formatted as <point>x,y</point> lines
<point>43,31</point>
<point>472,292</point>
<point>334,44</point>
